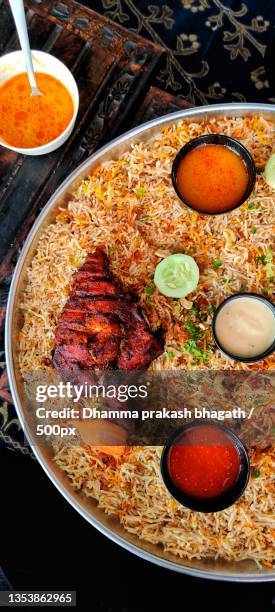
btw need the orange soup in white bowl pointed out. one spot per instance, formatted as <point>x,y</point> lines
<point>35,125</point>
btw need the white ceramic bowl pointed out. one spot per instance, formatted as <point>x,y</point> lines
<point>13,63</point>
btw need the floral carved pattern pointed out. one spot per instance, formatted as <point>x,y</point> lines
<point>213,47</point>
<point>241,33</point>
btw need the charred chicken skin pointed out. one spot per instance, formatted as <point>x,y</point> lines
<point>101,326</point>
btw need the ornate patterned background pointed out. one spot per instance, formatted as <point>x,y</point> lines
<point>215,49</point>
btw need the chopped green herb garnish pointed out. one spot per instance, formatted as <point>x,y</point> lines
<point>149,290</point>
<point>111,248</point>
<point>269,269</point>
<point>257,402</point>
<point>272,431</point>
<point>192,329</point>
<point>254,230</point>
<point>148,218</point>
<point>192,348</point>
<point>193,310</point>
<point>141,191</point>
<point>268,290</point>
<point>217,264</point>
<point>251,206</point>
<point>268,256</point>
<point>256,474</point>
<point>210,309</point>
<point>171,354</point>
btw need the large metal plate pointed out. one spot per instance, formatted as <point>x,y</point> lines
<point>245,571</point>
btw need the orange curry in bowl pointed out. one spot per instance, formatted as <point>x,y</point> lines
<point>213,174</point>
<point>28,121</point>
<point>211,177</point>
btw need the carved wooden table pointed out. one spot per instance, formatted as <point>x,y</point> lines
<point>113,69</point>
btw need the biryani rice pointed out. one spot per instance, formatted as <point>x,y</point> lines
<point>129,208</point>
<point>132,490</point>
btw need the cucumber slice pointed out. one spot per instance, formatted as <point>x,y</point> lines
<point>177,275</point>
<point>269,171</point>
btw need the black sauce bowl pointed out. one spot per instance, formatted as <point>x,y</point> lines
<point>235,296</point>
<point>210,504</point>
<point>230,143</point>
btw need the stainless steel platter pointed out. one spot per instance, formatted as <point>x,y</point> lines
<point>245,571</point>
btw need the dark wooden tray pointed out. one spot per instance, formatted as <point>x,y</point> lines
<point>113,69</point>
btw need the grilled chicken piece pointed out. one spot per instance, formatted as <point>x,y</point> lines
<point>101,327</point>
<point>96,263</point>
<point>72,363</point>
<point>87,288</point>
<point>116,308</point>
<point>140,347</point>
<point>64,335</point>
<point>87,323</point>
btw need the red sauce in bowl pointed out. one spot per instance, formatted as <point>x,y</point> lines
<point>205,464</point>
<point>212,178</point>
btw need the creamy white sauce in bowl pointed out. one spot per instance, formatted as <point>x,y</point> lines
<point>244,327</point>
